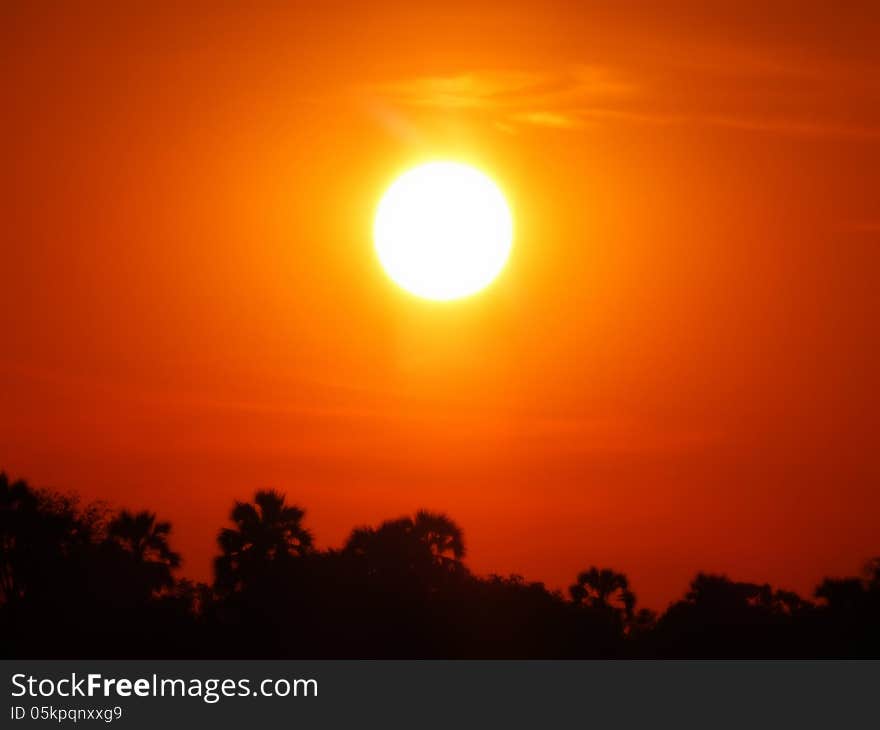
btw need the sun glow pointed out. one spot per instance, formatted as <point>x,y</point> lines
<point>443,230</point>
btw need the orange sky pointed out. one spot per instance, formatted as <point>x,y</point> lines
<point>678,369</point>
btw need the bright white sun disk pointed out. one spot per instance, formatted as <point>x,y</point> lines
<point>443,230</point>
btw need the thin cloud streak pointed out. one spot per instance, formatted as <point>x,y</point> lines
<point>512,98</point>
<point>587,96</point>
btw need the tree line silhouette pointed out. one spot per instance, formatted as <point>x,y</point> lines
<point>83,581</point>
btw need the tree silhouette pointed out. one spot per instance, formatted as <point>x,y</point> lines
<point>390,550</point>
<point>871,574</point>
<point>141,536</point>
<point>75,582</point>
<point>442,535</point>
<point>427,546</point>
<point>604,590</point>
<point>40,533</point>
<point>266,531</point>
<point>17,503</point>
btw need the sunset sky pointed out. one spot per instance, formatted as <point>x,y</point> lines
<point>678,369</point>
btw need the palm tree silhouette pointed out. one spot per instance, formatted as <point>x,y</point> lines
<point>441,534</point>
<point>266,530</point>
<point>143,537</point>
<point>603,589</point>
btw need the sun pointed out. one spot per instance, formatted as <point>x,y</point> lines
<point>443,230</point>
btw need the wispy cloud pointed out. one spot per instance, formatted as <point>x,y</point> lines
<point>739,96</point>
<point>512,98</point>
